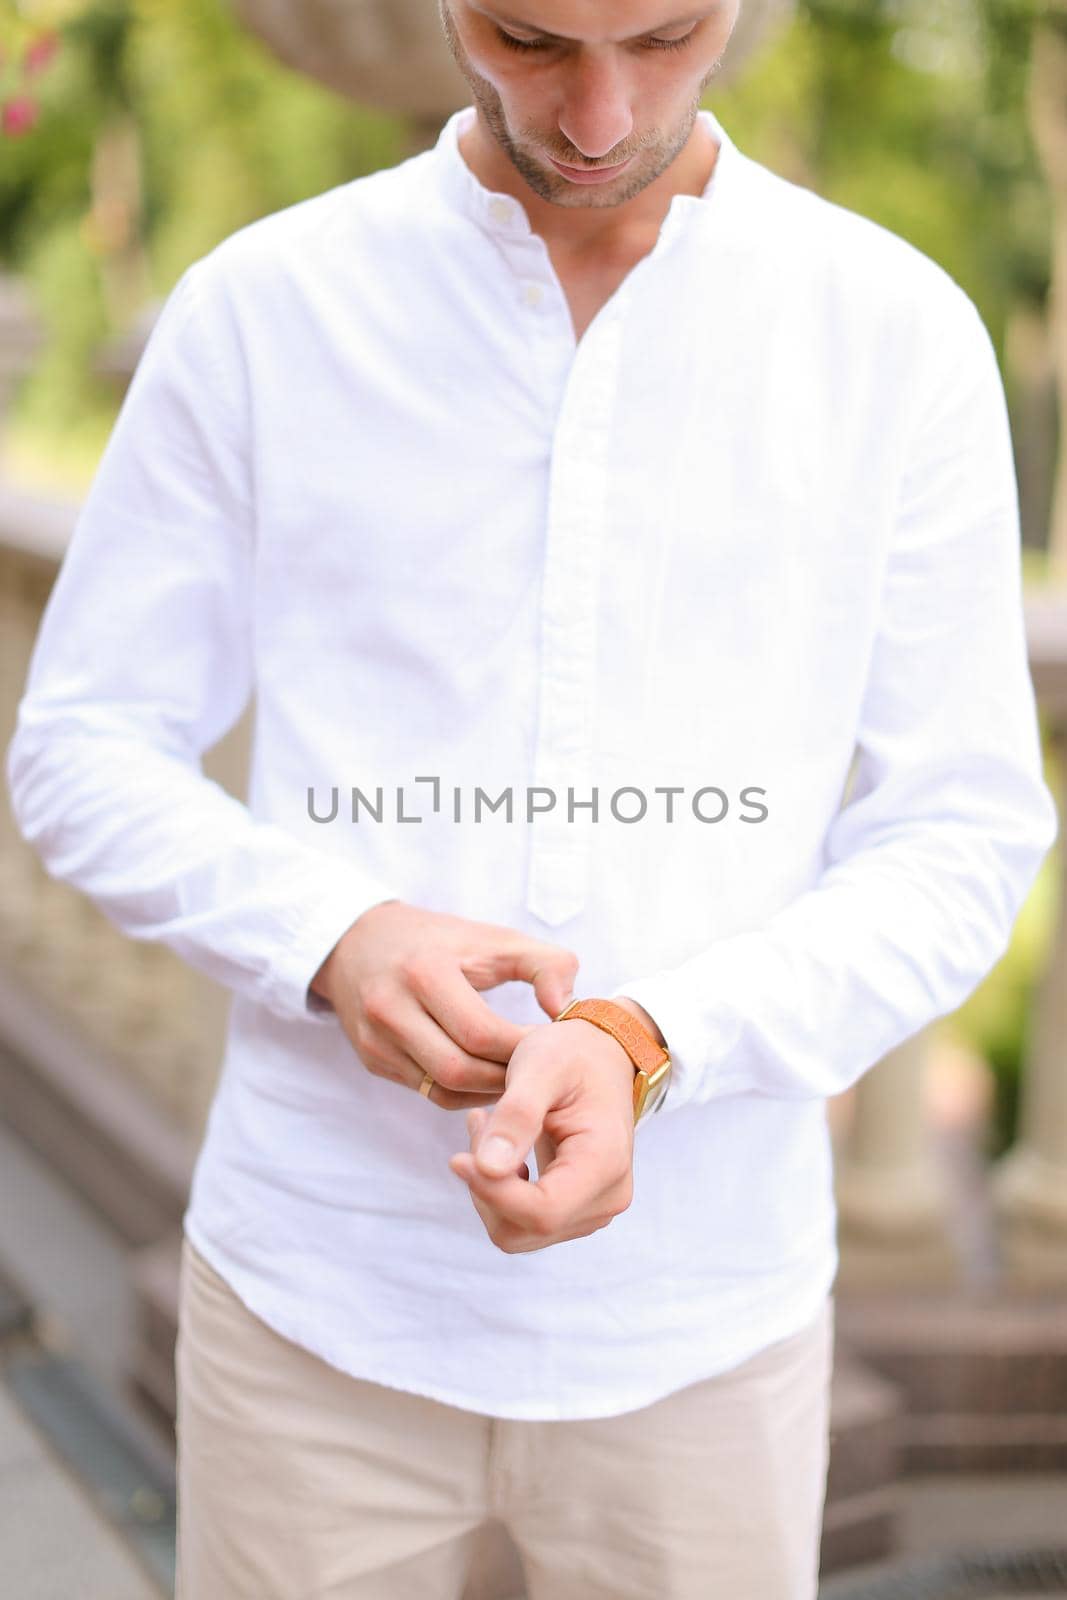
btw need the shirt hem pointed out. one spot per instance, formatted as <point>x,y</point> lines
<point>636,1399</point>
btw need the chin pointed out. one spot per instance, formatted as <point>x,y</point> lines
<point>596,200</point>
<point>574,196</point>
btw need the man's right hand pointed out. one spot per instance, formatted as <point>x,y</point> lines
<point>404,983</point>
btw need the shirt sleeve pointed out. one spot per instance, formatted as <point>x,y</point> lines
<point>929,862</point>
<point>143,661</point>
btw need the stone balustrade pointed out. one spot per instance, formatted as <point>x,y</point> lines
<point>161,1022</point>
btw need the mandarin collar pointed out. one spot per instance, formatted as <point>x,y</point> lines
<point>503,214</point>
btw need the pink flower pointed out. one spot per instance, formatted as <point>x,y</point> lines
<point>39,52</point>
<point>18,115</point>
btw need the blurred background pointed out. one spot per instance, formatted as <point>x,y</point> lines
<point>135,134</point>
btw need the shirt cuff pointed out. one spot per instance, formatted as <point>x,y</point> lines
<point>663,997</point>
<point>328,917</point>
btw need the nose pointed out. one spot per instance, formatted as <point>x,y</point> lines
<point>595,114</point>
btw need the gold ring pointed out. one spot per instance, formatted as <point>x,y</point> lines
<point>426,1085</point>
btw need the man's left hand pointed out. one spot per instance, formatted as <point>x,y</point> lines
<point>574,1082</point>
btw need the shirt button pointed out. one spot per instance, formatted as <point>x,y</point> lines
<point>533,294</point>
<point>500,210</point>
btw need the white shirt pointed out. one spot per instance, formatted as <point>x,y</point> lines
<point>761,519</point>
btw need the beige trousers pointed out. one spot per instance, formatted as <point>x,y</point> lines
<point>298,1482</point>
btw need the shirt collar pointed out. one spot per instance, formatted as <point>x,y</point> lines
<point>502,213</point>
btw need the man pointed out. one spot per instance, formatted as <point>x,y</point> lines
<point>584,504</point>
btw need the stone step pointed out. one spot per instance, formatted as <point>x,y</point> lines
<point>71,1104</point>
<point>127,1477</point>
<point>859,1522</point>
<point>57,1538</point>
<point>982,1376</point>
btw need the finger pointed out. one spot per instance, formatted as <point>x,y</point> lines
<point>455,1099</point>
<point>485,1192</point>
<point>476,1121</point>
<point>396,1066</point>
<point>386,1059</point>
<point>545,1151</point>
<point>450,1000</point>
<point>573,1187</point>
<point>484,1207</point>
<point>518,1120</point>
<point>481,1206</point>
<point>413,1031</point>
<point>550,968</point>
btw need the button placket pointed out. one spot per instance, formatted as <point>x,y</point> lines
<point>575,535</point>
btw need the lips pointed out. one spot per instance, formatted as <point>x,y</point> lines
<point>590,174</point>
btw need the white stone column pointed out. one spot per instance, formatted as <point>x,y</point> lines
<point>892,1205</point>
<point>1030,1182</point>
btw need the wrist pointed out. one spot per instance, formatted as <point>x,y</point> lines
<point>640,1040</point>
<point>324,982</point>
<point>610,1047</point>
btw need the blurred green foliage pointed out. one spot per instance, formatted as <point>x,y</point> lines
<point>225,134</point>
<point>997,1021</point>
<point>912,112</point>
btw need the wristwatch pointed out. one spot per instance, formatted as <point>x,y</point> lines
<point>652,1062</point>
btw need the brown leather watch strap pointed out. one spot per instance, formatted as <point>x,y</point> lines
<point>644,1051</point>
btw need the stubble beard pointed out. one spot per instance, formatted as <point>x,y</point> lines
<point>652,154</point>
